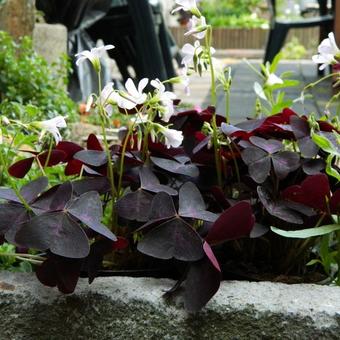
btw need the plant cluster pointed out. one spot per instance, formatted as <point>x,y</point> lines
<point>27,80</point>
<point>183,186</point>
<point>235,14</point>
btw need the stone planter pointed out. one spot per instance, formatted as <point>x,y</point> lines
<point>132,308</point>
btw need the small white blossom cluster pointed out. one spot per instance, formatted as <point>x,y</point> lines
<point>198,28</point>
<point>329,53</point>
<point>132,97</point>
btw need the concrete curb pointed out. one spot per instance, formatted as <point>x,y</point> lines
<point>132,308</point>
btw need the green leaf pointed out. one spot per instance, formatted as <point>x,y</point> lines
<point>313,262</point>
<point>325,144</point>
<point>305,233</point>
<point>330,170</point>
<point>275,63</point>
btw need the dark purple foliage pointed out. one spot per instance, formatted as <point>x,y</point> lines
<point>169,205</point>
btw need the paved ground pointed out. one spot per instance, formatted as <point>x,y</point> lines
<point>242,103</point>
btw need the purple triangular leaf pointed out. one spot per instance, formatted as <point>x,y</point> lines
<point>135,206</point>
<point>229,129</point>
<point>307,147</point>
<point>9,195</point>
<point>99,184</point>
<point>276,208</point>
<point>285,162</point>
<point>55,231</point>
<point>61,272</point>
<point>162,206</point>
<point>88,209</point>
<point>269,145</point>
<point>300,127</point>
<point>91,157</point>
<point>10,215</point>
<point>190,170</point>
<point>251,124</point>
<point>32,190</point>
<point>313,166</point>
<point>62,195</point>
<point>43,202</point>
<point>258,230</point>
<point>150,182</point>
<point>202,282</point>
<point>301,208</point>
<point>172,239</point>
<point>258,162</point>
<point>234,223</point>
<point>191,204</point>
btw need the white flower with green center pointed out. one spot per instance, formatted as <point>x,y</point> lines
<point>187,5</point>
<point>172,138</point>
<point>197,27</point>
<point>93,56</point>
<point>273,79</point>
<point>166,98</point>
<point>270,77</point>
<point>329,53</point>
<point>190,52</point>
<point>133,96</point>
<point>51,126</point>
<point>107,98</point>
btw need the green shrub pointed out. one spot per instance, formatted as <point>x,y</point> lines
<point>27,79</point>
<point>234,13</point>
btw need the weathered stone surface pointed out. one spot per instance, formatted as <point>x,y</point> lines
<point>17,17</point>
<point>50,41</point>
<point>132,308</point>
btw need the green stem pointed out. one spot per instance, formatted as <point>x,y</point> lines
<point>227,106</point>
<point>208,38</point>
<point>145,144</point>
<point>122,158</point>
<point>40,166</point>
<point>49,153</point>
<point>24,256</point>
<point>107,150</point>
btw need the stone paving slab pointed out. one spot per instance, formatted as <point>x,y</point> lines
<point>133,308</point>
<point>242,98</point>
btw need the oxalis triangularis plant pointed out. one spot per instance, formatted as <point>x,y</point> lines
<point>185,187</point>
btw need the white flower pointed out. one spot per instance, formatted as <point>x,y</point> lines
<point>329,52</point>
<point>273,79</point>
<point>197,27</point>
<point>93,55</point>
<point>328,45</point>
<point>52,126</point>
<point>133,96</point>
<point>172,138</point>
<point>139,119</point>
<point>324,59</point>
<point>165,97</point>
<point>187,5</point>
<point>107,98</point>
<point>190,51</point>
<point>185,80</point>
<point>259,91</point>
